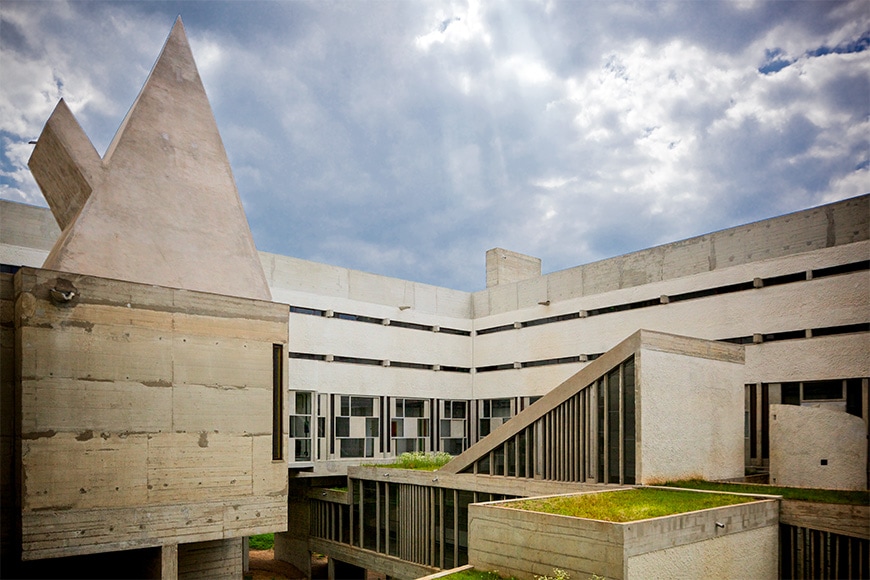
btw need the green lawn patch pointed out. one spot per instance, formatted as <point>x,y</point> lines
<point>261,542</point>
<point>629,505</point>
<point>419,460</point>
<point>477,575</point>
<point>793,493</point>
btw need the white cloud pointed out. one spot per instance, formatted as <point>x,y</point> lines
<point>408,138</point>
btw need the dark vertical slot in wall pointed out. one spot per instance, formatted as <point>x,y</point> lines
<point>765,421</point>
<point>613,426</point>
<point>599,390</point>
<point>753,422</point>
<point>854,402</point>
<point>628,430</point>
<point>332,424</point>
<point>277,401</point>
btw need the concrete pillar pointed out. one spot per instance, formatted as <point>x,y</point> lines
<point>169,562</point>
<point>292,546</point>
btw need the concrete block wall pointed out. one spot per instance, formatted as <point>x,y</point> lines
<point>146,415</point>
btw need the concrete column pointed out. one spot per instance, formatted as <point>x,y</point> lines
<point>292,546</point>
<point>169,562</point>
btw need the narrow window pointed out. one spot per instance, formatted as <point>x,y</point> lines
<point>628,431</point>
<point>765,421</point>
<point>753,420</point>
<point>277,401</point>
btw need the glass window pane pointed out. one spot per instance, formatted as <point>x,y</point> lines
<point>345,406</point>
<point>352,447</point>
<point>342,427</point>
<point>459,409</point>
<point>300,426</point>
<point>398,428</point>
<point>453,446</point>
<point>422,427</point>
<point>445,428</point>
<point>501,408</point>
<point>362,407</point>
<point>303,450</point>
<point>414,408</point>
<point>303,403</point>
<point>372,427</point>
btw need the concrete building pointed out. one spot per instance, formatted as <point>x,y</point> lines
<point>121,428</point>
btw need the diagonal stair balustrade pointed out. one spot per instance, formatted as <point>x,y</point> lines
<point>586,429</point>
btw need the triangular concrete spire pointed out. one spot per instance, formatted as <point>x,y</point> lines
<point>163,207</point>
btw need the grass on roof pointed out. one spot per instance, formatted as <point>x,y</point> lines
<point>419,460</point>
<point>792,493</point>
<point>474,574</point>
<point>629,505</point>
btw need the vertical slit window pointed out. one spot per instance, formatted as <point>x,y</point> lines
<point>753,421</point>
<point>628,433</point>
<point>599,389</point>
<point>277,401</point>
<point>765,421</point>
<point>613,426</point>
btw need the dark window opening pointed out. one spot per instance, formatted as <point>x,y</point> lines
<point>277,401</point>
<point>492,329</point>
<point>842,269</point>
<point>791,394</point>
<point>854,403</point>
<point>823,390</point>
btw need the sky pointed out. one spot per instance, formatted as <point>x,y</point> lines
<point>408,138</point>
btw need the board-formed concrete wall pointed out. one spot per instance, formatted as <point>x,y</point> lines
<point>146,415</point>
<point>526,544</point>
<point>834,456</point>
<point>826,226</point>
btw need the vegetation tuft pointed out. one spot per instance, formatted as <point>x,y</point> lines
<point>477,575</point>
<point>793,493</point>
<point>261,542</point>
<point>419,460</point>
<point>629,505</point>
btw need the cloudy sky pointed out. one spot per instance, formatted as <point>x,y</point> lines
<point>407,138</point>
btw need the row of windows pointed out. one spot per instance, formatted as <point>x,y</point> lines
<point>374,320</point>
<point>749,339</point>
<point>692,295</point>
<point>842,394</point>
<point>703,293</point>
<point>351,426</point>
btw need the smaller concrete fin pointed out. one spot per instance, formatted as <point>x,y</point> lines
<point>65,164</point>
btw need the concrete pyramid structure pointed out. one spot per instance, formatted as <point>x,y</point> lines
<point>161,207</point>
